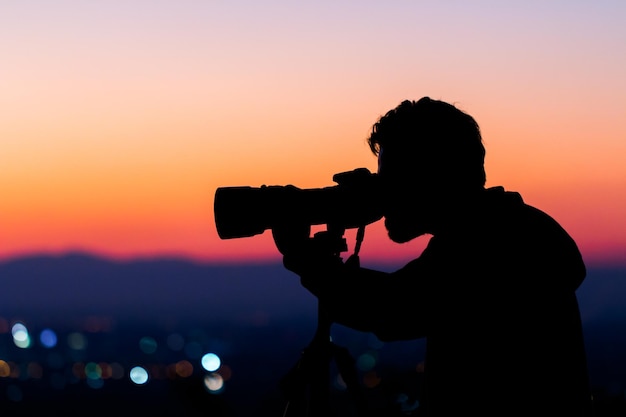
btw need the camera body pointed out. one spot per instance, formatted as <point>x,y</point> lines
<point>247,211</point>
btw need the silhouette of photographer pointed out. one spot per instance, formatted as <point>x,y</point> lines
<point>493,292</point>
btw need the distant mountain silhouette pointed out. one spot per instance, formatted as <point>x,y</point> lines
<point>80,284</point>
<point>144,289</point>
<point>602,296</point>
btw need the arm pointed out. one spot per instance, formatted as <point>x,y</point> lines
<point>386,304</point>
<point>390,305</point>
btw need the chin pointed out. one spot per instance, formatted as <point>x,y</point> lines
<point>398,239</point>
<point>402,236</point>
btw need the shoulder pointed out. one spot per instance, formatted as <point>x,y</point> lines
<point>543,240</point>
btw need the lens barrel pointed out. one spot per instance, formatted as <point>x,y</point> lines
<point>247,211</point>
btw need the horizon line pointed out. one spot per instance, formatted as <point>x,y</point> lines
<point>208,260</point>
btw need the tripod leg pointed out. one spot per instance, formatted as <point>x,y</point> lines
<point>307,385</point>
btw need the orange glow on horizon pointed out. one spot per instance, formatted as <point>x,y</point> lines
<point>119,122</point>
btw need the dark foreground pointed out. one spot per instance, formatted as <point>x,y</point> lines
<point>91,372</point>
<point>82,336</point>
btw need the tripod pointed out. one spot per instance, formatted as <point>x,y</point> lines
<point>307,385</point>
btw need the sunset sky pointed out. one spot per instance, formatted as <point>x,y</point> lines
<point>120,119</point>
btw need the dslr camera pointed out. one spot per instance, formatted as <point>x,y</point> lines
<point>247,211</point>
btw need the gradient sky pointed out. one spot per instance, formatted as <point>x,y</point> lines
<point>119,119</point>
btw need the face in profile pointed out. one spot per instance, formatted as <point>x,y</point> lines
<point>404,210</point>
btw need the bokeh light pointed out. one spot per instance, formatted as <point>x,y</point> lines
<point>95,383</point>
<point>93,370</point>
<point>21,338</point>
<point>106,371</point>
<point>371,379</point>
<point>366,361</point>
<point>184,369</point>
<point>211,362</point>
<point>77,341</point>
<point>214,383</point>
<point>48,338</point>
<point>148,345</point>
<point>138,375</point>
<point>5,369</point>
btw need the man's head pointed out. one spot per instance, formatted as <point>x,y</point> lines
<point>428,151</point>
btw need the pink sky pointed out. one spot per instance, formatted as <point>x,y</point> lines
<point>119,121</point>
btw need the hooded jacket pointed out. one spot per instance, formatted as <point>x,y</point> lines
<point>495,298</point>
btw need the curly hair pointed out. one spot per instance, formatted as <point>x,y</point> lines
<point>435,134</point>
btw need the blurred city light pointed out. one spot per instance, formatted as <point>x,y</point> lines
<point>184,369</point>
<point>366,361</point>
<point>148,345</point>
<point>138,375</point>
<point>211,362</point>
<point>21,338</point>
<point>5,369</point>
<point>48,338</point>
<point>214,383</point>
<point>77,341</point>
